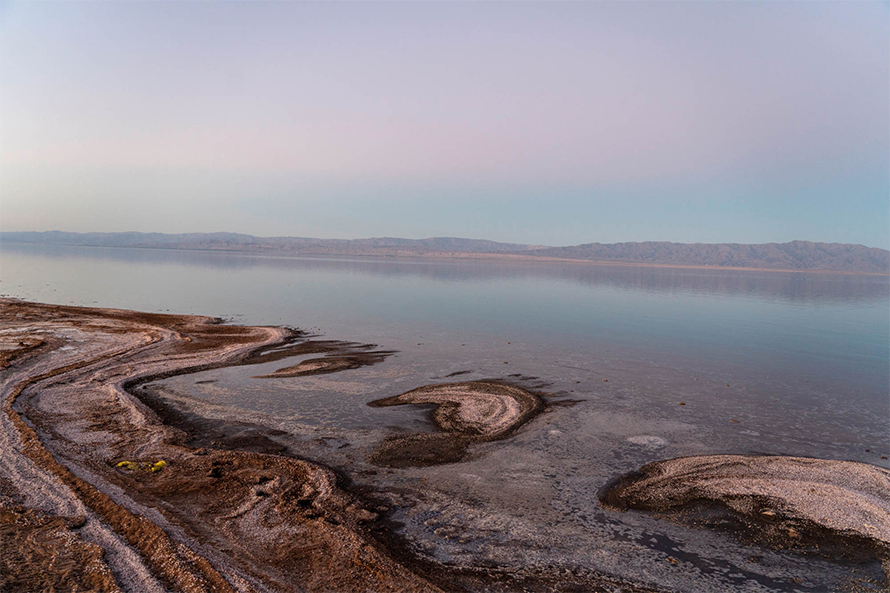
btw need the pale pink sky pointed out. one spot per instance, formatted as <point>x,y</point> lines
<point>542,122</point>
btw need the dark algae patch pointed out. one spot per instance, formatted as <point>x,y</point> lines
<point>339,356</point>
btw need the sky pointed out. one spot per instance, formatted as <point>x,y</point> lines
<point>553,123</point>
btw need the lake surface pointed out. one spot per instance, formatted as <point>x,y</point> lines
<point>767,362</point>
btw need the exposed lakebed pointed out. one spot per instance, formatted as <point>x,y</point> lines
<point>528,503</point>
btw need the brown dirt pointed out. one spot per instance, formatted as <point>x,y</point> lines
<point>18,348</point>
<point>366,353</point>
<point>328,364</point>
<point>44,553</point>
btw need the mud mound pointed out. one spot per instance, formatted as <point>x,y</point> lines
<point>835,507</point>
<point>480,409</point>
<point>474,411</point>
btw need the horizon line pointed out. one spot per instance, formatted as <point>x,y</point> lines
<point>530,245</point>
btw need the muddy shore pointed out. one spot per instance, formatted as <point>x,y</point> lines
<point>105,486</point>
<point>110,497</point>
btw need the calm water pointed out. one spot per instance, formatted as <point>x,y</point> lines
<point>833,328</point>
<point>786,363</point>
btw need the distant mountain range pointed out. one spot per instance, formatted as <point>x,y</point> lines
<point>796,255</point>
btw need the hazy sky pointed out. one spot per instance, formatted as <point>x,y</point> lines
<point>553,123</point>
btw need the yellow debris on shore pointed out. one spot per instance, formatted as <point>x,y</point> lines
<point>145,466</point>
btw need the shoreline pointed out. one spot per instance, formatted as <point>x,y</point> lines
<point>184,518</point>
<point>462,256</point>
<point>171,542</point>
<point>229,509</point>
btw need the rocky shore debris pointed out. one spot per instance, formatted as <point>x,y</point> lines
<point>835,508</point>
<point>467,412</point>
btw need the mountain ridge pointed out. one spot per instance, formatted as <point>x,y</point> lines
<point>793,255</point>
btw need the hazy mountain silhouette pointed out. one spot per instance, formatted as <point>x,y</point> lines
<point>796,255</point>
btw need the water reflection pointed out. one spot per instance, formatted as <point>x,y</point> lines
<point>793,287</point>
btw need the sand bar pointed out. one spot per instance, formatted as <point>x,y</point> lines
<point>485,410</point>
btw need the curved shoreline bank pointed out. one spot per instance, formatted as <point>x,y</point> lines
<point>110,488</point>
<point>209,520</point>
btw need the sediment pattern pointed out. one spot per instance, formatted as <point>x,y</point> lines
<point>785,501</point>
<point>468,412</point>
<point>339,356</point>
<point>481,409</point>
<point>204,519</point>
